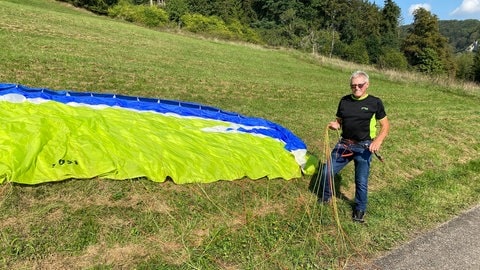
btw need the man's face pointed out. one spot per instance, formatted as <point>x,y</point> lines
<point>359,86</point>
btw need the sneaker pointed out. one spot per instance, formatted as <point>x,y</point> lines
<point>357,216</point>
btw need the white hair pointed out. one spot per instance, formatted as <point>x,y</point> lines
<point>360,73</point>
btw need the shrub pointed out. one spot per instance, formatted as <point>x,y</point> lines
<point>123,11</point>
<point>274,36</point>
<point>151,16</point>
<point>212,25</point>
<point>357,52</point>
<point>242,32</point>
<point>465,63</point>
<point>392,59</point>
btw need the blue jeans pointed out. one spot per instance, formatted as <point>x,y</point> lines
<point>341,155</point>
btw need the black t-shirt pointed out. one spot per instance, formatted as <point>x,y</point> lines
<point>359,116</point>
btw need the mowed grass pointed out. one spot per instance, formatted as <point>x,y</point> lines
<point>430,174</point>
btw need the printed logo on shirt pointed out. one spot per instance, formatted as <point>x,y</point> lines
<point>364,108</point>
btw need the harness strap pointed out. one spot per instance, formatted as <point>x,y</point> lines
<point>348,142</point>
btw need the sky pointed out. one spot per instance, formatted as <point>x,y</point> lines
<point>443,9</point>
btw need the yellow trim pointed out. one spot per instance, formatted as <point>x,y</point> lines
<point>360,98</point>
<point>373,127</point>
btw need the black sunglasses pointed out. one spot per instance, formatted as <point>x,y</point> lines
<point>360,85</point>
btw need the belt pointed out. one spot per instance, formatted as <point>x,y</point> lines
<point>365,144</point>
<point>355,142</point>
<point>348,141</point>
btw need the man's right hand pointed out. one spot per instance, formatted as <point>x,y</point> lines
<point>334,125</point>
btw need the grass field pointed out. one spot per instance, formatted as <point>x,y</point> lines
<point>431,170</point>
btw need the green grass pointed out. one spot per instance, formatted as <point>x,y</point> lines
<point>431,172</point>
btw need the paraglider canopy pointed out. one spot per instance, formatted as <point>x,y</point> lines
<point>56,135</point>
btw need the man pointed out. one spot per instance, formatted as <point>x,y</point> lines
<point>357,117</point>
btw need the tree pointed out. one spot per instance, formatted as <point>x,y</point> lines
<point>389,25</point>
<point>465,65</point>
<point>370,31</point>
<point>331,10</point>
<point>176,9</point>
<point>424,45</point>
<point>476,67</point>
<point>203,7</point>
<point>429,62</point>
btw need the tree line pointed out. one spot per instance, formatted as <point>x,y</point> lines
<point>353,30</point>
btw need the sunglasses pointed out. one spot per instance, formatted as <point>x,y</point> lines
<point>360,85</point>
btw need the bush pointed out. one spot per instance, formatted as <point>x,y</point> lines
<point>465,63</point>
<point>151,16</point>
<point>357,52</point>
<point>392,59</point>
<point>212,25</point>
<point>123,11</point>
<point>215,26</point>
<point>242,32</point>
<point>274,37</point>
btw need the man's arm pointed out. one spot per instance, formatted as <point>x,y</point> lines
<point>384,129</point>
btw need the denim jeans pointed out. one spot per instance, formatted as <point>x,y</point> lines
<point>341,155</point>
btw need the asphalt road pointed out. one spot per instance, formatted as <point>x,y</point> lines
<point>453,245</point>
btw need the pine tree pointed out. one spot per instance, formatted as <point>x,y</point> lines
<point>389,24</point>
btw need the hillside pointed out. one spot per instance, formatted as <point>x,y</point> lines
<point>460,34</point>
<point>431,170</point>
